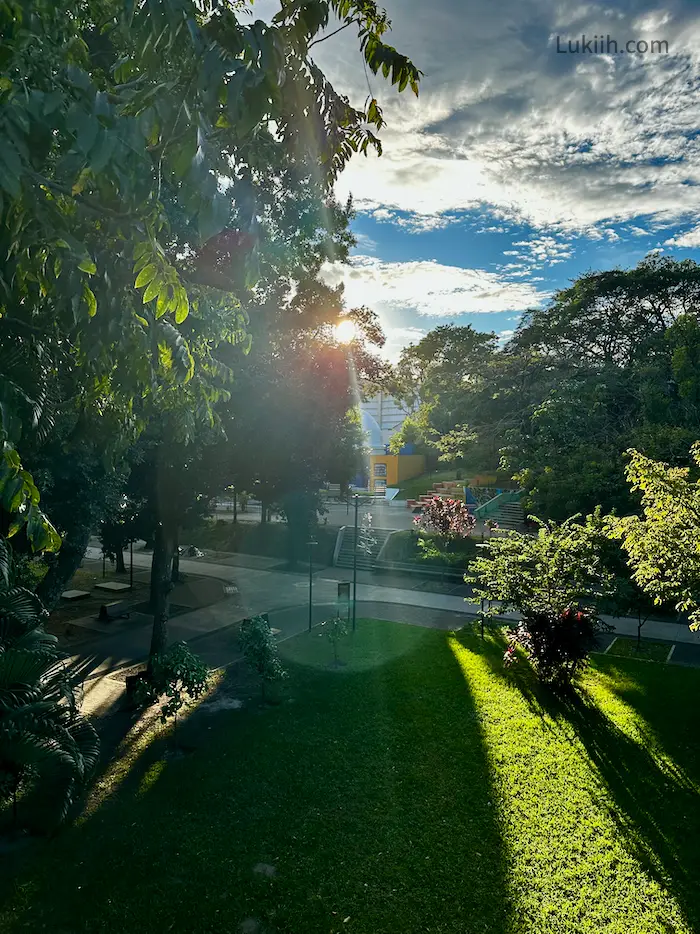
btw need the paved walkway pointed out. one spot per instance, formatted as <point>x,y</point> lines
<point>251,584</point>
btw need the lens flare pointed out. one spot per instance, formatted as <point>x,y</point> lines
<point>345,331</point>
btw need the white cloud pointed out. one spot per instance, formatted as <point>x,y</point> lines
<point>365,243</point>
<point>430,288</point>
<point>689,240</point>
<point>399,337</point>
<point>507,126</point>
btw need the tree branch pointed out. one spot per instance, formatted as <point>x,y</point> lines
<point>331,34</point>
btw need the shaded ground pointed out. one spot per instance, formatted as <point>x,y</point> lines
<point>418,788</point>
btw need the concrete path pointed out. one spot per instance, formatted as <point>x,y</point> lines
<point>251,584</point>
<point>261,590</point>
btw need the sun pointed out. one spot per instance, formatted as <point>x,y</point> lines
<point>345,331</point>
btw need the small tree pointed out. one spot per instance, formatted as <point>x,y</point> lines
<point>557,644</point>
<point>556,580</point>
<point>335,629</point>
<point>663,546</point>
<point>450,518</point>
<point>260,650</point>
<point>178,675</point>
<point>366,540</point>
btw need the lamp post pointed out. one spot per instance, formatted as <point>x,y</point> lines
<point>354,568</point>
<point>311,544</point>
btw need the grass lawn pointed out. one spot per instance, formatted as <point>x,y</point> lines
<point>419,788</point>
<point>648,650</point>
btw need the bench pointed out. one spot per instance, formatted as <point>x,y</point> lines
<point>115,610</point>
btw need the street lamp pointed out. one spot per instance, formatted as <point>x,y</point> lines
<point>310,545</point>
<point>356,499</point>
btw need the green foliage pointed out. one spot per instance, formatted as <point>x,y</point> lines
<point>148,150</point>
<point>610,363</point>
<point>663,544</point>
<point>558,569</point>
<point>47,750</point>
<point>556,644</point>
<point>19,497</point>
<point>260,650</point>
<point>407,547</point>
<point>334,629</point>
<point>178,675</point>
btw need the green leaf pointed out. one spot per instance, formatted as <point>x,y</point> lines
<point>183,306</point>
<point>90,300</point>
<point>102,152</point>
<point>147,274</point>
<point>88,128</point>
<point>87,265</point>
<point>9,180</point>
<point>141,248</point>
<point>152,289</point>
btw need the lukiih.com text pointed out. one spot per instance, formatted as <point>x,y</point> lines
<point>605,45</point>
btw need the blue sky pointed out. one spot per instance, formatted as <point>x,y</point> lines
<point>519,167</point>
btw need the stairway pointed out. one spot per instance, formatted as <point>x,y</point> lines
<point>510,516</point>
<point>344,553</point>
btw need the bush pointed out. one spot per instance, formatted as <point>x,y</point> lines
<point>406,547</point>
<point>47,749</point>
<point>260,650</point>
<point>557,645</point>
<point>177,674</point>
<point>334,629</point>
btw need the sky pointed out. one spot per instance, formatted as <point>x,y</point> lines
<point>524,162</point>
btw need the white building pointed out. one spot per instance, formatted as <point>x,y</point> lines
<point>388,414</point>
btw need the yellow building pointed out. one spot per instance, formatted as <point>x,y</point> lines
<point>389,470</point>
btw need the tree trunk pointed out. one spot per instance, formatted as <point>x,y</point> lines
<point>235,507</point>
<point>62,567</point>
<point>121,567</point>
<point>263,511</point>
<point>161,585</point>
<point>175,575</point>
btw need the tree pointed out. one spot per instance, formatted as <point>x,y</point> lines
<point>557,581</point>
<point>260,650</point>
<point>556,644</point>
<point>47,750</point>
<point>558,569</point>
<point>177,675</point>
<point>140,149</point>
<point>663,544</point>
<point>335,629</point>
<point>608,364</point>
<point>449,518</point>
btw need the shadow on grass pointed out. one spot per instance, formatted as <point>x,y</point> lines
<point>365,795</point>
<point>651,785</point>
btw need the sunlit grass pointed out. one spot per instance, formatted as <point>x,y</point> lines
<point>146,729</point>
<point>418,788</point>
<point>646,650</point>
<point>571,867</point>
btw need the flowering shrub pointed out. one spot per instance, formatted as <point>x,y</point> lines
<point>448,517</point>
<point>557,644</point>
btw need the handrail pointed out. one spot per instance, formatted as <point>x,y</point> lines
<point>338,544</point>
<point>500,499</point>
